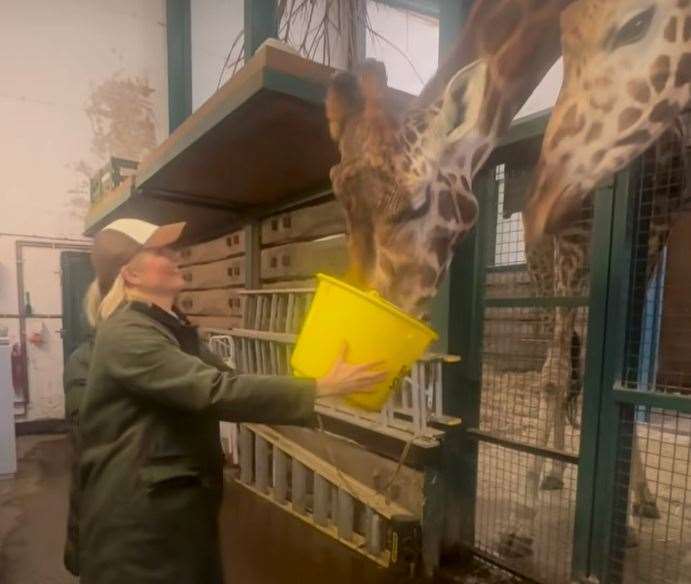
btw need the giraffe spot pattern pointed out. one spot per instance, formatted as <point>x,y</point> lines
<point>661,70</point>
<point>638,137</point>
<point>687,29</point>
<point>468,208</point>
<point>594,132</point>
<point>629,117</point>
<point>683,70</point>
<point>571,125</point>
<point>671,30</point>
<point>663,112</point>
<point>428,275</point>
<point>447,207</point>
<point>684,3</point>
<point>639,90</point>
<point>598,157</point>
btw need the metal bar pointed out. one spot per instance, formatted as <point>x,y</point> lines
<point>424,7</point>
<point>650,399</point>
<point>299,487</point>
<point>322,490</point>
<point>179,41</point>
<point>374,529</point>
<point>261,464</point>
<point>246,455</point>
<point>530,302</point>
<point>280,475</point>
<point>553,453</point>
<point>260,24</point>
<point>252,256</point>
<point>345,519</point>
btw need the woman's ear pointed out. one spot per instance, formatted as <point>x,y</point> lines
<point>129,275</point>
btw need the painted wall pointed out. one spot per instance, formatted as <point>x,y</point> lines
<point>80,81</point>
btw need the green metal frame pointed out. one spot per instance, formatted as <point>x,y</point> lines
<point>261,23</point>
<point>179,41</point>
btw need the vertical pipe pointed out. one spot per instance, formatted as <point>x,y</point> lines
<point>179,42</point>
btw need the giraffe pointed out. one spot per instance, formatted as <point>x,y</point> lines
<point>405,174</point>
<point>627,79</point>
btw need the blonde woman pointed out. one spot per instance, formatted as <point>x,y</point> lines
<point>151,460</point>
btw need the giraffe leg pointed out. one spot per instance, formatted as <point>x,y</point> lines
<point>554,480</point>
<point>644,503</point>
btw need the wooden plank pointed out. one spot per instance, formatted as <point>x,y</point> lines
<point>221,274</point>
<point>374,533</point>
<point>303,224</point>
<point>232,244</point>
<point>303,260</point>
<point>225,302</point>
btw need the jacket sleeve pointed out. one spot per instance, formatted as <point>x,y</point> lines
<point>151,365</point>
<point>74,380</point>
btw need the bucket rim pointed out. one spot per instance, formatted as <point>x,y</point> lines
<point>380,302</point>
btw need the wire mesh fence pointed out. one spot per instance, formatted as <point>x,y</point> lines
<point>652,520</point>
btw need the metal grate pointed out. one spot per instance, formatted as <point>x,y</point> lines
<point>649,549</point>
<point>535,329</point>
<point>652,520</point>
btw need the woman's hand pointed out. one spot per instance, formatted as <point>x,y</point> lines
<point>344,379</point>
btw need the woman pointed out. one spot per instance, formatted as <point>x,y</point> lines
<point>151,459</point>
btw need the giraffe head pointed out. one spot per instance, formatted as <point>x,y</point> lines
<point>627,76</point>
<point>404,179</point>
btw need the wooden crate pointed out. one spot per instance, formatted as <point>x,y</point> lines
<point>227,246</point>
<point>302,260</point>
<point>217,322</point>
<point>225,302</point>
<point>230,272</point>
<point>304,224</point>
<point>509,284</point>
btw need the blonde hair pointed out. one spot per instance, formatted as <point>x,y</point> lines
<point>117,295</point>
<point>92,302</point>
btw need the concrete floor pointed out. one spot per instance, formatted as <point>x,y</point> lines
<point>33,510</point>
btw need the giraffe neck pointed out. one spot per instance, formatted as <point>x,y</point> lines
<point>520,39</point>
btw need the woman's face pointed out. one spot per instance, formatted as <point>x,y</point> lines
<point>155,271</point>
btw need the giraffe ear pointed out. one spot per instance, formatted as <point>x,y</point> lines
<point>462,102</point>
<point>343,99</point>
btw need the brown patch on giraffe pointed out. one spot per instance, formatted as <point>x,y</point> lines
<point>594,132</point>
<point>453,179</point>
<point>639,90</point>
<point>447,207</point>
<point>479,156</point>
<point>687,29</point>
<point>468,208</point>
<point>500,25</point>
<point>671,30</point>
<point>491,106</point>
<point>603,82</point>
<point>572,124</point>
<point>684,3</point>
<point>598,157</point>
<point>683,70</point>
<point>428,275</point>
<point>664,111</point>
<point>660,72</point>
<point>604,106</point>
<point>410,136</point>
<point>638,137</point>
<point>629,117</point>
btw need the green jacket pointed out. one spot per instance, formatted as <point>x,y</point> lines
<point>151,461</point>
<point>74,384</point>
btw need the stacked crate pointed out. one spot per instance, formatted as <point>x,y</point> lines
<point>214,272</point>
<point>299,243</point>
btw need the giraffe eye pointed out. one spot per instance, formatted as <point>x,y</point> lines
<point>635,29</point>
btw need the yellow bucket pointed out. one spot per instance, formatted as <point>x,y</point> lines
<point>374,329</point>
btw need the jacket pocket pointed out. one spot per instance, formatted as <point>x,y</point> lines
<point>168,472</point>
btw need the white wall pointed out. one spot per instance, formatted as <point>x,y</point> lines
<point>80,80</point>
<point>215,25</point>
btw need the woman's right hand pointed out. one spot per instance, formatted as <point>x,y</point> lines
<point>344,378</point>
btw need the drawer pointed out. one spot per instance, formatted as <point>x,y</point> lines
<point>212,303</point>
<point>217,249</point>
<point>302,260</point>
<point>304,224</point>
<point>230,272</point>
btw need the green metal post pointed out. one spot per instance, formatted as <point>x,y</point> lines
<point>261,23</point>
<point>607,496</point>
<point>601,244</point>
<point>179,41</point>
<point>452,15</point>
